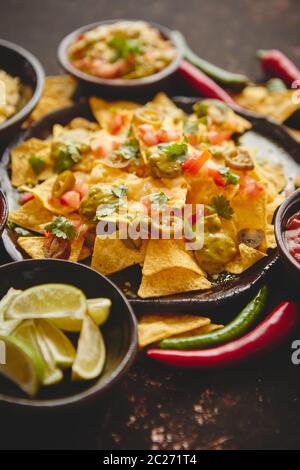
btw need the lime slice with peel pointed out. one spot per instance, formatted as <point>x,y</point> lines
<point>7,326</point>
<point>99,309</point>
<point>61,348</point>
<point>23,364</point>
<point>90,357</point>
<point>63,304</point>
<point>28,332</point>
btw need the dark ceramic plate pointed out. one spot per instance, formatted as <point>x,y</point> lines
<point>120,331</point>
<point>271,139</point>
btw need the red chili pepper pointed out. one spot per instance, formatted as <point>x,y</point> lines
<point>274,330</point>
<point>276,64</point>
<point>203,84</point>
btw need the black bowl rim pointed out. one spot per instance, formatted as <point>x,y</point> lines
<point>4,216</point>
<point>279,229</point>
<point>40,79</point>
<point>95,390</point>
<point>118,83</point>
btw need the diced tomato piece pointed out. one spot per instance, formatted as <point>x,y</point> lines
<point>148,135</point>
<point>218,137</point>
<point>192,138</point>
<point>25,197</point>
<point>250,187</point>
<point>194,164</point>
<point>150,139</point>
<point>215,174</point>
<point>81,187</point>
<point>71,199</point>
<point>169,135</point>
<point>116,123</point>
<point>294,222</point>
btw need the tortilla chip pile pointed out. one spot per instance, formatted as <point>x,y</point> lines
<point>159,158</point>
<point>275,104</point>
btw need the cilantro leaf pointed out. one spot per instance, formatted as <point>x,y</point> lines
<point>61,228</point>
<point>174,150</point>
<point>159,199</point>
<point>37,164</point>
<point>222,207</point>
<point>128,151</point>
<point>190,127</point>
<point>110,207</point>
<point>67,158</point>
<point>231,178</point>
<point>124,46</point>
<point>120,191</point>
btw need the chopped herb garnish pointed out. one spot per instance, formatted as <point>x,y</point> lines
<point>231,178</point>
<point>61,228</point>
<point>190,127</point>
<point>128,151</point>
<point>124,47</point>
<point>110,208</point>
<point>120,191</point>
<point>67,158</point>
<point>37,164</point>
<point>222,207</point>
<point>174,150</point>
<point>159,199</point>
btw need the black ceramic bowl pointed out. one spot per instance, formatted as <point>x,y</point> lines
<point>287,210</point>
<point>120,331</point>
<point>118,85</point>
<point>20,63</point>
<point>3,211</point>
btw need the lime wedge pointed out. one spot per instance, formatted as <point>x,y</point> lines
<point>90,357</point>
<point>63,304</point>
<point>99,309</point>
<point>60,346</point>
<point>27,332</point>
<point>23,366</point>
<point>7,326</point>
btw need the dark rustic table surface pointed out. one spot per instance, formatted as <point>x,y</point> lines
<point>254,406</point>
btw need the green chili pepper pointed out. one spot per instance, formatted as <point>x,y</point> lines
<point>229,79</point>
<point>233,330</point>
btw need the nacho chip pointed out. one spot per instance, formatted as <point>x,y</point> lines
<point>172,281</point>
<point>273,206</point>
<point>58,92</point>
<point>102,110</point>
<point>168,254</point>
<point>273,104</point>
<point>32,216</point>
<point>85,253</point>
<point>245,259</point>
<point>33,246</point>
<point>295,133</point>
<point>250,216</point>
<point>272,176</point>
<point>43,192</point>
<point>152,328</point>
<point>270,237</point>
<point>22,170</point>
<point>112,255</point>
